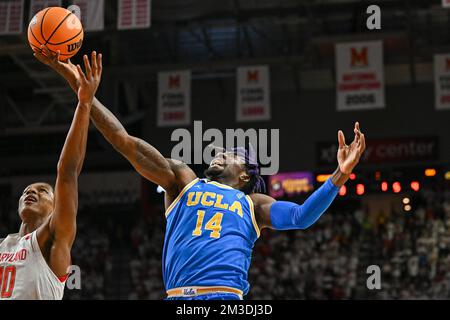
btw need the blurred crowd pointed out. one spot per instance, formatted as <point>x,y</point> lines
<point>327,261</point>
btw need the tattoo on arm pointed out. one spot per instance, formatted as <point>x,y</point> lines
<point>147,160</point>
<point>106,122</point>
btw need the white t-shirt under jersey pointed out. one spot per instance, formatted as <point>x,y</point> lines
<point>24,273</point>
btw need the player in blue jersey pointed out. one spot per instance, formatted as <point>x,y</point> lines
<point>213,223</point>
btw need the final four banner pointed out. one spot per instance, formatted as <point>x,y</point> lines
<point>442,81</point>
<point>174,98</point>
<point>359,76</point>
<point>253,93</point>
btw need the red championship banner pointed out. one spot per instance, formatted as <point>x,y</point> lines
<point>133,14</point>
<point>446,3</point>
<point>11,16</point>
<point>92,14</point>
<point>359,76</point>
<point>174,98</point>
<point>253,93</point>
<point>442,81</point>
<point>38,5</point>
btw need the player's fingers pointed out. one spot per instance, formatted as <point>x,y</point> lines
<point>81,73</point>
<point>58,53</point>
<point>357,135</point>
<point>100,64</point>
<point>341,139</point>
<point>40,57</point>
<point>87,66</point>
<point>94,64</point>
<point>362,144</point>
<point>47,52</point>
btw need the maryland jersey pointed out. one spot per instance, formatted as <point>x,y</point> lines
<point>210,233</point>
<point>24,273</point>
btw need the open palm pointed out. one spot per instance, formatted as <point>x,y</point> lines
<point>348,155</point>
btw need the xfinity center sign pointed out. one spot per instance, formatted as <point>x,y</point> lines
<point>385,150</point>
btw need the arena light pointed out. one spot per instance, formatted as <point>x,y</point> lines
<point>384,186</point>
<point>396,187</point>
<point>447,175</point>
<point>406,200</point>
<point>352,176</point>
<point>343,191</point>
<point>407,207</point>
<point>360,189</point>
<point>322,177</point>
<point>430,172</point>
<point>415,185</point>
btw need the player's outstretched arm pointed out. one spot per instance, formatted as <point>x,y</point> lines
<point>284,215</point>
<point>56,237</point>
<point>170,174</point>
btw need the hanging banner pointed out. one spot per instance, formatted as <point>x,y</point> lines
<point>253,93</point>
<point>133,14</point>
<point>92,14</point>
<point>446,3</point>
<point>359,76</point>
<point>11,17</point>
<point>442,81</point>
<point>38,5</point>
<point>174,98</point>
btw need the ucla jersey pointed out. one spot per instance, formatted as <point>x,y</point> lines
<point>210,233</point>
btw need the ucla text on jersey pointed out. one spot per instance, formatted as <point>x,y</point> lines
<point>210,233</point>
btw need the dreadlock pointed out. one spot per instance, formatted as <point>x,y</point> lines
<point>256,182</point>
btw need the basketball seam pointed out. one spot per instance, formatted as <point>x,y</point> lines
<point>59,25</point>
<point>61,54</point>
<point>42,23</point>
<point>32,33</point>
<point>55,44</point>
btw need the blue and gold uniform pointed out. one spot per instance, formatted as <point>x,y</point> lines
<point>210,233</point>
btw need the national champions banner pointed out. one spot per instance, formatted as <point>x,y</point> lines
<point>359,76</point>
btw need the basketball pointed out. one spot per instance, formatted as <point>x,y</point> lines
<point>58,29</point>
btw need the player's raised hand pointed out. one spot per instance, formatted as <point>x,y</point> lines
<point>51,59</point>
<point>348,155</point>
<point>90,80</point>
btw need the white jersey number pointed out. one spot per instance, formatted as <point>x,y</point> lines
<point>7,280</point>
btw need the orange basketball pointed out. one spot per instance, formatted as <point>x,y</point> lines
<point>58,29</point>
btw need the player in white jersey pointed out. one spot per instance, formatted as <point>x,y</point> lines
<point>34,262</point>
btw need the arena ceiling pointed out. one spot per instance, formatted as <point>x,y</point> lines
<point>212,38</point>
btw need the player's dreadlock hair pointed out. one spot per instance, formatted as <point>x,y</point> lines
<point>256,182</point>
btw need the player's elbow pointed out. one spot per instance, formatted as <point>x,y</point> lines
<point>67,169</point>
<point>298,218</point>
<point>306,217</point>
<point>123,143</point>
<point>65,233</point>
<point>169,181</point>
